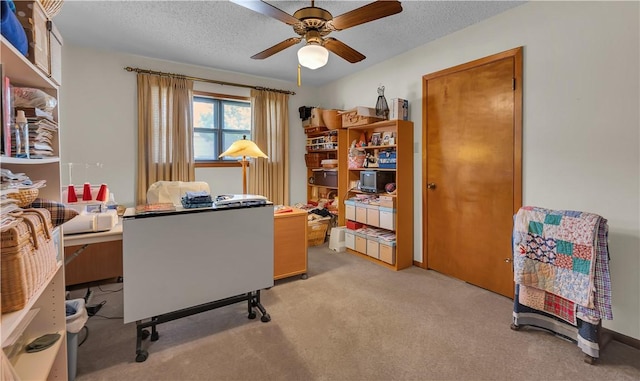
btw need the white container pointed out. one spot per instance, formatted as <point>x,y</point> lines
<point>337,239</point>
<point>388,218</point>
<point>349,239</point>
<point>350,210</point>
<point>373,215</point>
<point>361,212</point>
<point>372,247</point>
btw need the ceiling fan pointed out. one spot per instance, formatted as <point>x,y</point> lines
<point>313,24</point>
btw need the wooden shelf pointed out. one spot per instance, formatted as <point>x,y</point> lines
<point>50,363</point>
<point>18,160</point>
<point>403,147</point>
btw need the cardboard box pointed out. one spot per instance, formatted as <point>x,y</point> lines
<point>373,215</point>
<point>316,118</point>
<point>387,251</point>
<point>387,201</point>
<point>361,243</point>
<point>399,109</point>
<point>34,21</point>
<point>359,116</point>
<point>372,247</point>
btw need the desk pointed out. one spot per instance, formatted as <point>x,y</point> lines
<point>180,263</point>
<point>101,259</point>
<point>290,241</point>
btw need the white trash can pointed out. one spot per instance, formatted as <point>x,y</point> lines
<point>336,240</point>
<point>76,318</point>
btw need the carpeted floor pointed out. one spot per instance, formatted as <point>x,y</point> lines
<point>350,320</point>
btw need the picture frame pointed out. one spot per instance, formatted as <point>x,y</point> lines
<point>376,139</point>
<point>387,138</point>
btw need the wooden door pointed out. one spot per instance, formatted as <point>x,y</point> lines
<point>472,170</point>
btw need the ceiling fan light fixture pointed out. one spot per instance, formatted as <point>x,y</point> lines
<point>313,56</point>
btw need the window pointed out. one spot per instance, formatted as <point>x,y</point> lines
<point>218,121</point>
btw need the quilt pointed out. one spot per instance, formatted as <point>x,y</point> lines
<point>555,251</point>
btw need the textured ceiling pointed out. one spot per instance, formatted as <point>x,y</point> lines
<point>223,35</point>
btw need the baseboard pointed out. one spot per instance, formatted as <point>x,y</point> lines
<point>624,339</point>
<point>607,334</point>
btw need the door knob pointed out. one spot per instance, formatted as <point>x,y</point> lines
<point>508,260</point>
<point>431,186</point>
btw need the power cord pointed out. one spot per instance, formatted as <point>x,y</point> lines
<point>94,308</point>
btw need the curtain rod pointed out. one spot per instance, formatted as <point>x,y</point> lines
<point>160,73</point>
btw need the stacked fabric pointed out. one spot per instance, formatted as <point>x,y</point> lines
<point>200,199</point>
<point>41,134</point>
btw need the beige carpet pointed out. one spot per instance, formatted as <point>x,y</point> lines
<point>350,320</point>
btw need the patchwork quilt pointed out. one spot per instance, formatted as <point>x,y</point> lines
<point>556,259</point>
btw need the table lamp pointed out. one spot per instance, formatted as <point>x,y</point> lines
<point>245,148</point>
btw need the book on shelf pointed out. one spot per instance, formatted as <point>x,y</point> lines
<point>155,208</point>
<point>7,114</point>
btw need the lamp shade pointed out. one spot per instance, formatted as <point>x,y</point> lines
<point>313,56</point>
<point>243,147</point>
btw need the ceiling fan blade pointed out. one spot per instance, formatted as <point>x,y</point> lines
<point>268,10</point>
<point>343,50</point>
<point>277,48</point>
<point>364,14</point>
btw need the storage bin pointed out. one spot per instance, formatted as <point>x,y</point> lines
<point>361,212</point>
<point>353,225</point>
<point>387,201</point>
<point>34,21</point>
<point>350,210</point>
<point>387,159</point>
<point>327,178</point>
<point>350,239</point>
<point>372,247</point>
<point>361,243</point>
<point>373,215</point>
<point>387,251</point>
<point>388,218</point>
<point>316,118</point>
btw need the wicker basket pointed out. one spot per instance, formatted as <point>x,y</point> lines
<point>314,159</point>
<point>332,119</point>
<point>25,196</point>
<point>317,231</point>
<point>28,258</point>
<point>51,7</point>
<point>356,162</point>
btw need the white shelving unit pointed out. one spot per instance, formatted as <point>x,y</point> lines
<point>45,311</point>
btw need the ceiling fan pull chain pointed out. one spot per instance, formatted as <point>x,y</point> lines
<point>299,81</point>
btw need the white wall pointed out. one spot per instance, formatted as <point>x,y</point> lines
<point>99,119</point>
<point>581,123</point>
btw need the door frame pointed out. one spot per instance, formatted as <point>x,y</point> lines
<point>516,54</point>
